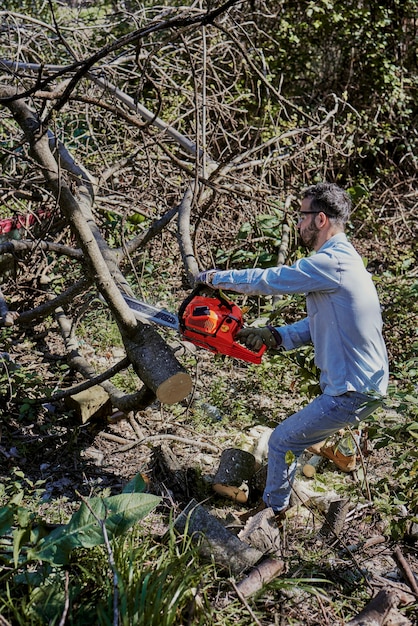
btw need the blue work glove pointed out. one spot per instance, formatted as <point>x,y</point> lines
<point>254,338</point>
<point>205,278</point>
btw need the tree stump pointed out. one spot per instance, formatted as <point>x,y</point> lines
<point>261,532</point>
<point>215,541</point>
<point>236,467</point>
<point>335,518</point>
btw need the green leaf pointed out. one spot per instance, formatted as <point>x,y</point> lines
<point>245,230</point>
<point>289,458</point>
<point>19,536</point>
<point>136,485</point>
<point>118,513</point>
<point>6,520</point>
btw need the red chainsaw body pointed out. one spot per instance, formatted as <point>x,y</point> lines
<point>212,323</point>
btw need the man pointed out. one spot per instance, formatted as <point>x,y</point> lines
<point>343,322</point>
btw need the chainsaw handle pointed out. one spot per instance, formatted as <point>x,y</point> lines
<point>186,301</point>
<point>215,293</point>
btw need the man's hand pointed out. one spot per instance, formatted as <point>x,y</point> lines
<point>254,338</point>
<point>205,278</point>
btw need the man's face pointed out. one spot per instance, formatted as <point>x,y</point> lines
<point>306,226</point>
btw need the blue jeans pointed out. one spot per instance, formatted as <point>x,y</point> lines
<point>322,417</point>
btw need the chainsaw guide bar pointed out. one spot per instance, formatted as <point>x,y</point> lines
<point>208,321</point>
<point>152,313</point>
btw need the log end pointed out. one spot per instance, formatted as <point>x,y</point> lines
<point>309,470</point>
<point>237,494</point>
<point>175,388</point>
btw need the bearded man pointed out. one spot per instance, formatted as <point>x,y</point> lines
<point>343,323</point>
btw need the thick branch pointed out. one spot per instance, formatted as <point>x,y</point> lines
<point>24,245</point>
<point>47,308</point>
<point>151,358</point>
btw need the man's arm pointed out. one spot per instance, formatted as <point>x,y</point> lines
<point>296,334</point>
<point>280,338</point>
<point>317,273</point>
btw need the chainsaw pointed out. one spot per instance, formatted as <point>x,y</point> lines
<point>209,321</point>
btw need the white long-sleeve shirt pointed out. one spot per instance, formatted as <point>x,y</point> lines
<point>343,320</point>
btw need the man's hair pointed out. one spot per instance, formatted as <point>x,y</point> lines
<point>331,200</point>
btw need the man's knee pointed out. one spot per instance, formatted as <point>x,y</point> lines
<point>281,441</point>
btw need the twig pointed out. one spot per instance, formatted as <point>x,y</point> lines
<point>96,380</point>
<point>116,439</point>
<point>67,600</point>
<point>324,614</point>
<point>245,603</point>
<point>406,570</point>
<point>400,587</point>
<point>190,442</point>
<point>363,465</point>
<point>135,426</point>
<point>356,512</point>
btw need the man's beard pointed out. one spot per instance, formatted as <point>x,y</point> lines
<point>310,235</point>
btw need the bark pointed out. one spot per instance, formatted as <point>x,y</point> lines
<point>169,471</point>
<point>154,363</point>
<point>262,532</point>
<point>215,541</point>
<point>381,609</point>
<point>335,518</point>
<point>236,467</point>
<point>263,573</point>
<point>406,570</point>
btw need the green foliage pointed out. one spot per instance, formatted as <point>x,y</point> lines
<point>262,239</point>
<point>160,583</point>
<point>154,583</point>
<point>85,529</point>
<point>112,515</point>
<point>398,434</point>
<point>307,371</point>
<point>399,298</point>
<point>18,382</point>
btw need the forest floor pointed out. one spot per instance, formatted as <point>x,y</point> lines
<point>334,576</point>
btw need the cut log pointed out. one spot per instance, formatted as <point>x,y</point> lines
<point>214,540</point>
<point>381,609</point>
<point>258,481</point>
<point>262,574</point>
<point>156,365</point>
<point>236,467</point>
<point>311,466</point>
<point>237,494</point>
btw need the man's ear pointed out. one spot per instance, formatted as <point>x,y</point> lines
<point>320,219</point>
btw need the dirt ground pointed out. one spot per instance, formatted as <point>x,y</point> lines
<point>178,460</point>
